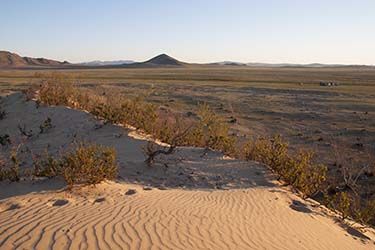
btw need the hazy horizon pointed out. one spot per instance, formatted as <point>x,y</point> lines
<point>337,32</point>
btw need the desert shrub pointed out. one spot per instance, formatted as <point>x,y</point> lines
<point>302,174</point>
<point>211,132</point>
<point>2,113</point>
<point>57,89</point>
<point>14,169</point>
<point>5,140</point>
<point>2,168</point>
<point>139,113</point>
<point>47,166</point>
<point>340,202</point>
<point>134,112</point>
<point>171,131</point>
<point>296,170</point>
<point>272,152</point>
<point>46,125</point>
<point>24,131</point>
<point>109,109</point>
<point>350,169</point>
<point>366,213</point>
<point>350,204</point>
<point>152,150</point>
<point>89,164</point>
<point>10,170</point>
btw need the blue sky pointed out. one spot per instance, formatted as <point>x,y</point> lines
<point>295,31</point>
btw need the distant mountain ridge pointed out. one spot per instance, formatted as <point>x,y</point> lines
<point>12,60</point>
<point>102,63</point>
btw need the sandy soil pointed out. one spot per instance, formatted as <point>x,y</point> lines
<point>184,202</point>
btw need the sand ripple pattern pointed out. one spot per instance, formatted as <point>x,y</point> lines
<point>257,218</point>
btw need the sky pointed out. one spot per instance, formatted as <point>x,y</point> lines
<point>270,31</point>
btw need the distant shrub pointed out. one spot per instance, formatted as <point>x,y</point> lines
<point>298,171</point>
<point>89,164</point>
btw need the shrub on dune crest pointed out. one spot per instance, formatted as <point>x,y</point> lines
<point>211,132</point>
<point>57,89</point>
<point>296,170</point>
<point>2,113</point>
<point>10,170</point>
<point>89,164</point>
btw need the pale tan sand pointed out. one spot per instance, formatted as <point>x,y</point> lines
<point>185,208</point>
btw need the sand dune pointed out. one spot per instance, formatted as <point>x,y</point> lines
<point>185,202</point>
<point>107,218</point>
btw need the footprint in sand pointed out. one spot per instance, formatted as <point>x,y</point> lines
<point>59,203</point>
<point>9,207</point>
<point>99,200</point>
<point>131,192</point>
<point>13,206</point>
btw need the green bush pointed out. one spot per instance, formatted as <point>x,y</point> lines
<point>89,164</point>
